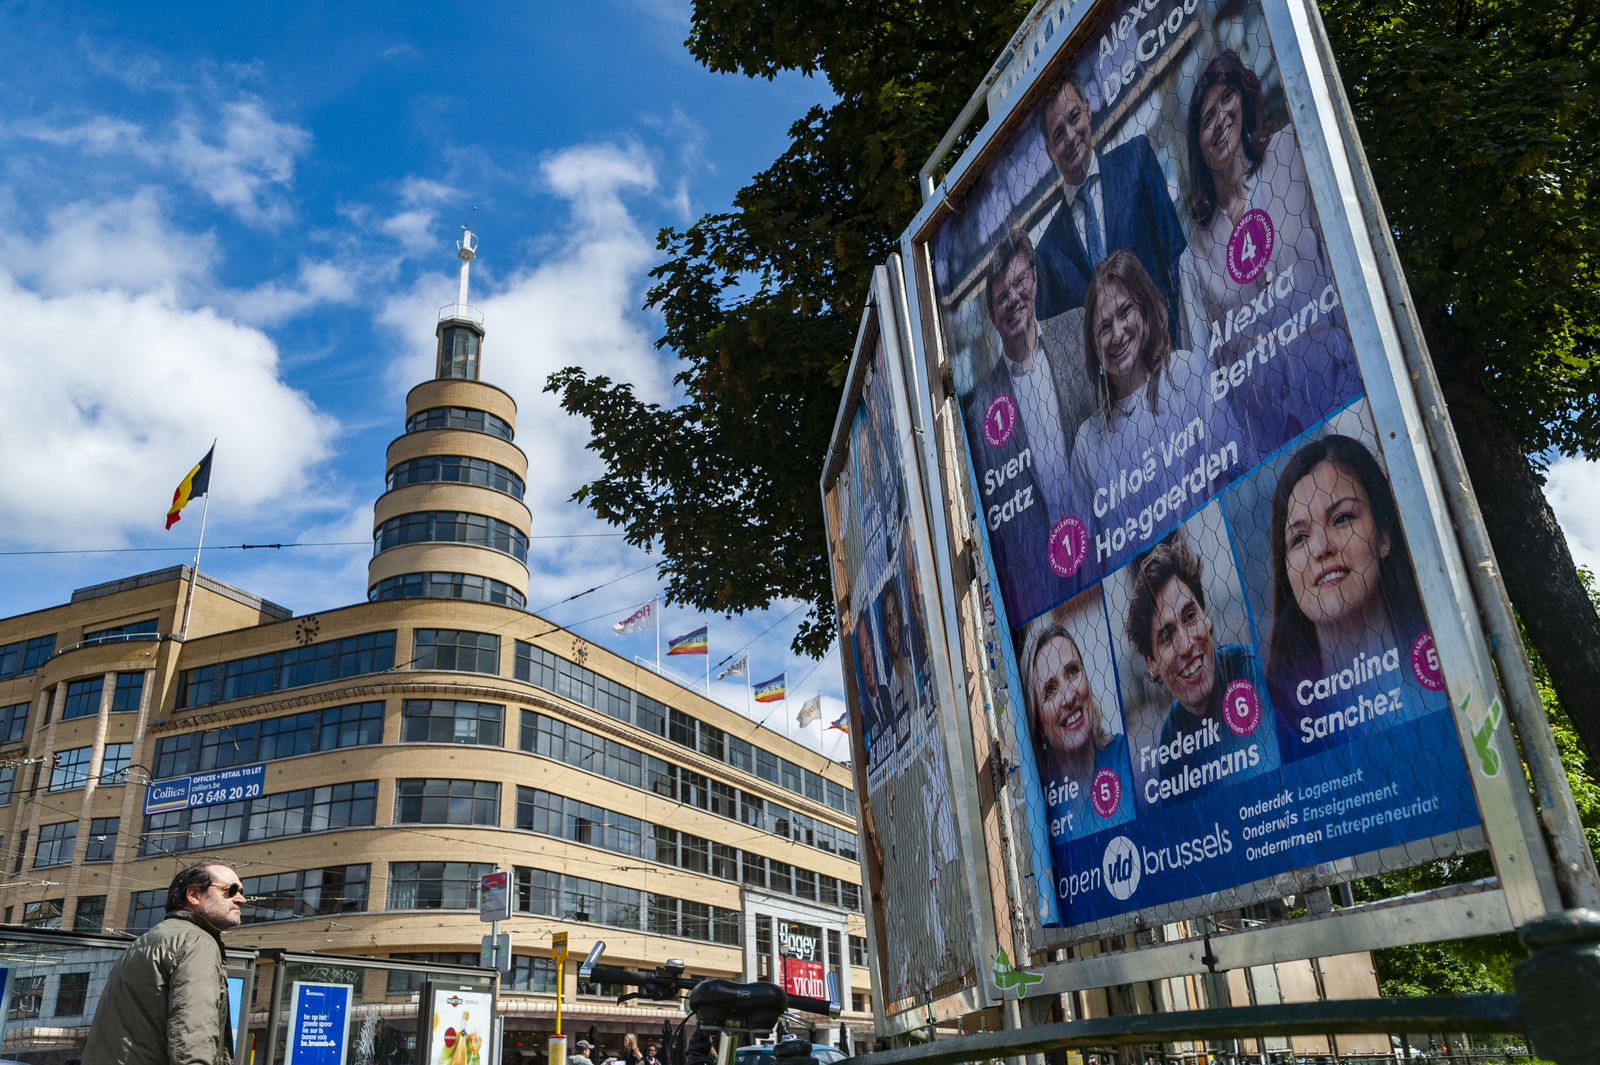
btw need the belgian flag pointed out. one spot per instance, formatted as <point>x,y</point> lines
<point>198,483</point>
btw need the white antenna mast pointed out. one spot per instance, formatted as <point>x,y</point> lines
<point>466,251</point>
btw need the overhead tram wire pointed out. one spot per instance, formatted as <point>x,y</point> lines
<point>272,547</point>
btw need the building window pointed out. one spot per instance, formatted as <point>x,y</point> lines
<point>724,862</point>
<point>353,656</point>
<point>145,910</point>
<point>306,893</point>
<point>72,994</point>
<point>83,698</point>
<point>858,1002</point>
<point>130,689</point>
<point>850,896</point>
<point>27,998</point>
<point>102,839</point>
<point>767,766</point>
<point>8,781</point>
<point>790,776</point>
<point>755,870</point>
<point>90,916</point>
<point>114,763</point>
<point>436,886</point>
<point>816,790</point>
<point>14,722</point>
<point>24,657</point>
<point>858,951</point>
<point>477,421</point>
<point>556,815</point>
<point>336,727</point>
<point>835,958</point>
<point>531,974</point>
<point>458,354</point>
<point>133,630</point>
<point>471,652</point>
<point>455,469</point>
<point>452,721</point>
<point>70,769</point>
<point>466,586</point>
<point>45,913</point>
<point>449,526</point>
<point>741,755</point>
<point>447,802</point>
<point>575,899</point>
<point>401,981</point>
<point>763,947</point>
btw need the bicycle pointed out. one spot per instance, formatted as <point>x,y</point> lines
<point>725,1009</point>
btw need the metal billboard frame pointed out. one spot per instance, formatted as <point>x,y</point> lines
<point>884,317</point>
<point>1445,529</point>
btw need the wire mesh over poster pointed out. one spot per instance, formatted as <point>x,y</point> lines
<point>915,862</point>
<point>1213,664</point>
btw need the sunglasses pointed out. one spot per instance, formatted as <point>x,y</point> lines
<point>231,891</point>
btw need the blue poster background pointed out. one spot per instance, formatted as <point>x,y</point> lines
<point>205,789</point>
<point>319,1024</point>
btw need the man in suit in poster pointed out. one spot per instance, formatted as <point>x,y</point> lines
<point>1115,200</point>
<point>1021,422</point>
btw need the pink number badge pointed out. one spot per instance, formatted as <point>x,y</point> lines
<point>1105,792</point>
<point>1069,543</point>
<point>1241,708</point>
<point>999,421</point>
<point>1250,246</point>
<point>1425,663</point>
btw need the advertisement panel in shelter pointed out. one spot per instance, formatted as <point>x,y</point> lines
<point>1219,665</point>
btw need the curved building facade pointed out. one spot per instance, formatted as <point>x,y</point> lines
<point>390,753</point>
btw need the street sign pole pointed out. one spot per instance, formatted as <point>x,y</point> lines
<point>558,951</point>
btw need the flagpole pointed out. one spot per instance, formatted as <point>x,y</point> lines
<point>708,661</point>
<point>194,572</point>
<point>657,612</point>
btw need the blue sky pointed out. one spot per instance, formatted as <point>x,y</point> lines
<point>240,223</point>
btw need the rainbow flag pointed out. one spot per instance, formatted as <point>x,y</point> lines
<point>843,724</point>
<point>690,643</point>
<point>198,483</point>
<point>771,691</point>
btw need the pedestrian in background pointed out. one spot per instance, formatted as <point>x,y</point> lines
<point>166,999</point>
<point>581,1057</point>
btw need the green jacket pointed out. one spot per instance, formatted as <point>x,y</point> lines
<point>166,1000</point>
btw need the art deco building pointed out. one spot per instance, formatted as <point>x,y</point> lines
<point>394,751</point>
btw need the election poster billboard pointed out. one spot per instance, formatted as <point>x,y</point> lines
<point>1214,660</point>
<point>891,644</point>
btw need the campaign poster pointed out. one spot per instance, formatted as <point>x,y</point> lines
<point>1218,661</point>
<point>887,657</point>
<point>319,1024</point>
<point>462,1022</point>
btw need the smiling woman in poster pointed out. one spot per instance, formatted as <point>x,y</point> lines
<point>1260,299</point>
<point>1350,649</point>
<point>1158,446</point>
<point>1083,765</point>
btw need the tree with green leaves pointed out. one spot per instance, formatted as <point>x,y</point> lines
<point>1480,120</point>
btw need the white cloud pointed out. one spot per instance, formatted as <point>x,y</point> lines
<point>316,282</point>
<point>125,243</point>
<point>235,153</point>
<point>246,165</point>
<point>113,395</point>
<point>1572,486</point>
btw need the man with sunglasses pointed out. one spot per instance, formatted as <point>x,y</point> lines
<point>166,999</point>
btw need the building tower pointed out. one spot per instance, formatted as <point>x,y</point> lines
<point>451,523</point>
